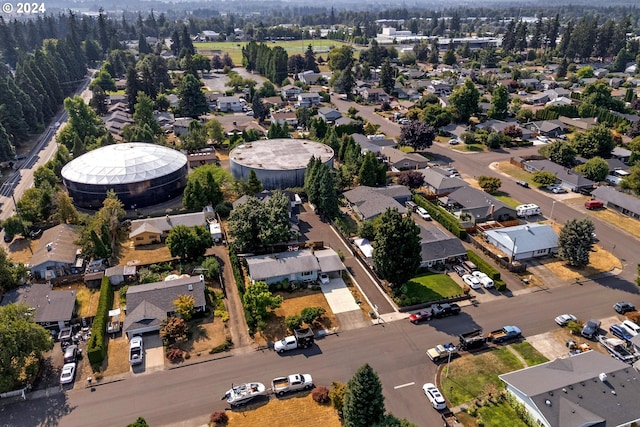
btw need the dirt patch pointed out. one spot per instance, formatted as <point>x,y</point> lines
<point>293,304</point>
<point>87,299</point>
<point>143,255</point>
<point>206,334</point>
<point>21,249</point>
<point>281,412</point>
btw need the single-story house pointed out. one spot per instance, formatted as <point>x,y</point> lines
<point>148,231</point>
<point>454,130</point>
<point>476,206</point>
<point>329,114</point>
<point>121,273</point>
<point>436,246</point>
<point>500,125</point>
<point>524,241</point>
<point>548,128</point>
<point>613,199</point>
<point>295,266</point>
<point>274,101</point>
<point>229,103</point>
<point>206,156</point>
<point>621,153</point>
<point>440,88</point>
<point>151,303</point>
<point>309,77</point>
<point>308,99</point>
<point>369,202</point>
<point>181,126</point>
<point>531,83</point>
<point>372,143</point>
<point>581,123</point>
<point>588,389</point>
<point>52,308</point>
<point>399,160</point>
<point>56,255</point>
<point>440,183</point>
<point>569,178</point>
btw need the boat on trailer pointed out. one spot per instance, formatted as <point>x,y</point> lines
<point>243,393</point>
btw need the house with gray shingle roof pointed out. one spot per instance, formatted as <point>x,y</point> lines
<point>295,266</point>
<point>399,160</point>
<point>436,246</point>
<point>151,303</point>
<point>439,182</point>
<point>548,128</point>
<point>476,206</point>
<point>371,144</point>
<point>52,308</point>
<point>369,202</point>
<point>56,254</point>
<point>588,389</point>
<point>569,178</point>
<point>613,199</point>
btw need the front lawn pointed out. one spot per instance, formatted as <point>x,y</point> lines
<point>476,375</point>
<point>529,353</point>
<point>428,287</point>
<point>493,414</point>
<point>506,199</point>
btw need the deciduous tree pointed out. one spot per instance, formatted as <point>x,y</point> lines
<point>396,254</point>
<point>173,330</point>
<point>464,101</point>
<point>184,306</point>
<point>489,184</point>
<point>417,134</point>
<point>188,243</point>
<point>544,178</point>
<point>596,169</point>
<point>258,301</point>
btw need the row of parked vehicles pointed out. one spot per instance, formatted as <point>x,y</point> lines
<point>244,393</point>
<point>472,276</point>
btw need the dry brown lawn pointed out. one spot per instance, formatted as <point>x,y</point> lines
<point>206,334</point>
<point>21,249</point>
<point>629,225</point>
<point>600,261</point>
<point>143,255</point>
<point>281,412</point>
<point>293,304</point>
<point>87,299</point>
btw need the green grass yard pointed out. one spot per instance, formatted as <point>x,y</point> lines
<point>506,199</point>
<point>529,353</point>
<point>431,287</point>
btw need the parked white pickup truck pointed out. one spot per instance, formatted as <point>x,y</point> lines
<point>136,351</point>
<point>294,382</point>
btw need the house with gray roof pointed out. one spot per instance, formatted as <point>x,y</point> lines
<point>367,143</point>
<point>151,303</point>
<point>308,99</point>
<point>295,266</point>
<point>476,206</point>
<point>548,128</point>
<point>56,255</point>
<point>437,247</point>
<point>229,103</point>
<point>588,389</point>
<point>399,160</point>
<point>51,308</point>
<point>290,92</point>
<point>329,114</point>
<point>568,178</point>
<point>439,182</point>
<point>621,153</point>
<point>369,202</point>
<point>524,241</point>
<point>624,203</point>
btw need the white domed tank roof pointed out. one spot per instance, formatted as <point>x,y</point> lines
<point>123,164</point>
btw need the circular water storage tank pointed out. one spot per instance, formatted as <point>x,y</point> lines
<point>141,175</point>
<point>278,163</point>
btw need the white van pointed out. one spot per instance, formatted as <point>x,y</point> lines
<point>423,213</point>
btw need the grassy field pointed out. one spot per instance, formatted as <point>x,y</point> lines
<point>473,375</point>
<point>506,199</point>
<point>431,286</point>
<point>321,47</point>
<point>529,353</point>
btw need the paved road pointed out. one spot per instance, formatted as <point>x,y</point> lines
<point>395,350</point>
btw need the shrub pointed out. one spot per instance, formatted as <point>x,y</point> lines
<point>293,322</point>
<point>175,355</point>
<point>219,419</point>
<point>634,316</point>
<point>222,347</point>
<point>483,265</point>
<point>321,395</point>
<point>97,346</point>
<point>311,314</point>
<point>337,395</point>
<point>575,327</point>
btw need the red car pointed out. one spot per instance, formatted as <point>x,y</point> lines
<point>420,316</point>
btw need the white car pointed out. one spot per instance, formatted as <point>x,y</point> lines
<point>631,327</point>
<point>472,281</point>
<point>453,142</point>
<point>68,373</point>
<point>435,397</point>
<point>564,319</point>
<point>483,278</point>
<point>423,213</point>
<point>323,278</point>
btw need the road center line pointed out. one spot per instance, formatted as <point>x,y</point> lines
<point>403,385</point>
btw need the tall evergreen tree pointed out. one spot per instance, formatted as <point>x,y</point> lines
<point>133,86</point>
<point>310,60</point>
<point>368,173</point>
<point>191,99</point>
<point>576,241</point>
<point>363,400</point>
<point>387,82</point>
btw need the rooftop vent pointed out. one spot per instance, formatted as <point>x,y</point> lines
<point>49,246</point>
<point>603,377</point>
<point>547,402</point>
<point>564,389</point>
<point>613,392</point>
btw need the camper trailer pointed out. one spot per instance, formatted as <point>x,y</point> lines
<point>528,209</point>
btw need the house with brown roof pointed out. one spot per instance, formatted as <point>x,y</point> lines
<point>148,231</point>
<point>206,156</point>
<point>56,255</point>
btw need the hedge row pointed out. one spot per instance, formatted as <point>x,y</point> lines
<point>237,270</point>
<point>444,217</point>
<point>97,347</point>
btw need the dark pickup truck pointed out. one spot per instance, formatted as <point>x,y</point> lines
<point>472,340</point>
<point>444,310</point>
